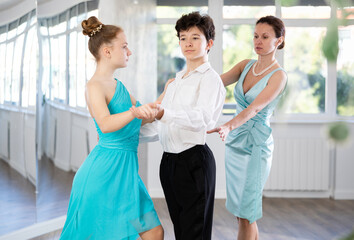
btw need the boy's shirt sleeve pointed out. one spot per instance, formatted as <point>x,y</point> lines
<point>149,133</point>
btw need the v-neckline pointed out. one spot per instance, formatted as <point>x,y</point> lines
<point>243,80</point>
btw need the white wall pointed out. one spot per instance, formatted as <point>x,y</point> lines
<point>29,146</point>
<point>68,136</point>
<point>17,142</point>
<point>344,182</point>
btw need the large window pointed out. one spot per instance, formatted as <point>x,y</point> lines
<point>308,93</point>
<point>244,12</point>
<point>8,72</point>
<point>67,63</point>
<point>307,70</point>
<point>2,66</point>
<point>169,58</point>
<point>19,68</point>
<point>30,70</point>
<point>306,12</point>
<point>237,45</point>
<point>345,72</point>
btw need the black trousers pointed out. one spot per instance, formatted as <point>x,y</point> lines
<point>188,182</point>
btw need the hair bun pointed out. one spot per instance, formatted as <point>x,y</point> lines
<point>91,26</point>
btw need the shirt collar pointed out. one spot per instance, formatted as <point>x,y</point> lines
<point>202,69</point>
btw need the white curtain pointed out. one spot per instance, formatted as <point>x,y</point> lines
<point>138,19</point>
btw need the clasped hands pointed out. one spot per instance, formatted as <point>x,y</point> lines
<point>149,111</point>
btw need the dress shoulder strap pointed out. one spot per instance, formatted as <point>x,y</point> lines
<point>249,64</point>
<point>271,74</point>
<point>245,70</point>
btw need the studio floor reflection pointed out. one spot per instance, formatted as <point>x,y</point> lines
<point>19,207</point>
<point>54,190</point>
<point>17,200</point>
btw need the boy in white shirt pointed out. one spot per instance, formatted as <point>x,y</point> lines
<point>191,105</point>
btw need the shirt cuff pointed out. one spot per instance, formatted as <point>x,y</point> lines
<point>148,133</point>
<point>167,116</point>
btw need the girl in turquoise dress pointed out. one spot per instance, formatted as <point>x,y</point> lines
<point>249,142</point>
<point>108,199</point>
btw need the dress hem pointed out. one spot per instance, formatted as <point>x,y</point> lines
<point>236,213</point>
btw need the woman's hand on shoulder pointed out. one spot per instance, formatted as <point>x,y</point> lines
<point>160,98</point>
<point>168,83</point>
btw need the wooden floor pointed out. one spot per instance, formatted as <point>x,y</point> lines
<point>284,219</point>
<point>21,207</point>
<point>17,200</point>
<point>288,219</point>
<point>53,190</point>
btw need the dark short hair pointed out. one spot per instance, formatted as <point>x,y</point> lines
<point>277,25</point>
<point>203,22</point>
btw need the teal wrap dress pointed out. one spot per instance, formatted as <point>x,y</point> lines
<point>108,199</point>
<point>248,152</point>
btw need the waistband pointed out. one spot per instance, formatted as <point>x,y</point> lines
<point>188,151</point>
<point>132,147</point>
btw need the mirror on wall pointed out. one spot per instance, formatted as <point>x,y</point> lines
<point>65,133</point>
<point>18,83</point>
<point>46,131</point>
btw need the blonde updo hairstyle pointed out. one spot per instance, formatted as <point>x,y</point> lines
<point>99,34</point>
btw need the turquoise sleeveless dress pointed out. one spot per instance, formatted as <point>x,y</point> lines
<point>108,199</point>
<point>248,152</point>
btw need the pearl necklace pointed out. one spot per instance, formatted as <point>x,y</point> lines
<point>264,70</point>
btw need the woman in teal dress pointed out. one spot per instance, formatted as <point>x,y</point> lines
<point>108,199</point>
<point>249,142</point>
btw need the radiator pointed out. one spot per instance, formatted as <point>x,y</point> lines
<point>4,139</point>
<point>299,165</point>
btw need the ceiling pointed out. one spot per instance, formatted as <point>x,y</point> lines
<point>6,4</point>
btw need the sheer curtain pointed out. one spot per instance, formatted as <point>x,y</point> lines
<point>138,19</point>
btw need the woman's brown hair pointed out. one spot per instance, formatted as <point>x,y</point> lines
<point>277,25</point>
<point>99,34</point>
